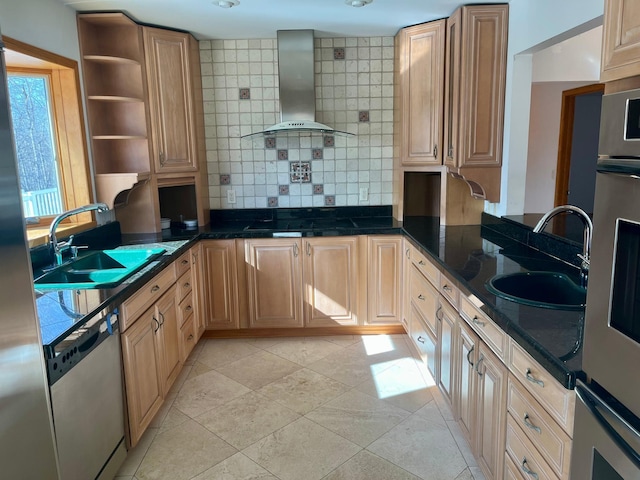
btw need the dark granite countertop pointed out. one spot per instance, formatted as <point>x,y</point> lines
<point>470,255</point>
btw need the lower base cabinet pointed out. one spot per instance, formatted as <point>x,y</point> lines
<point>219,275</point>
<point>151,357</point>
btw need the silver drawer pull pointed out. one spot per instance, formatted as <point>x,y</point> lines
<point>439,313</point>
<point>187,285</point>
<point>477,321</point>
<point>421,263</point>
<point>447,288</point>
<point>526,470</point>
<point>530,425</point>
<point>407,253</point>
<point>480,360</point>
<point>190,337</point>
<point>532,379</point>
<point>155,288</point>
<point>184,262</point>
<point>469,354</point>
<point>421,297</point>
<point>420,338</point>
<point>188,309</point>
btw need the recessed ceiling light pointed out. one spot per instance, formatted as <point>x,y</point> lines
<point>226,3</point>
<point>358,3</point>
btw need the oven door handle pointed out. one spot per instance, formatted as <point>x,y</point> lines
<point>592,402</point>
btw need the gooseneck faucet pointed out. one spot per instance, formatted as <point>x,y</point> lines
<point>59,247</point>
<point>587,235</point>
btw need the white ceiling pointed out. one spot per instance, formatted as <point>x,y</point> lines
<point>262,18</point>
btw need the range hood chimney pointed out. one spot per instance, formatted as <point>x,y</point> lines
<point>296,78</point>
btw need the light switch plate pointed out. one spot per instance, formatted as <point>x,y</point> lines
<point>231,196</point>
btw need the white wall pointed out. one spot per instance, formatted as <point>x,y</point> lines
<point>46,24</point>
<point>533,26</point>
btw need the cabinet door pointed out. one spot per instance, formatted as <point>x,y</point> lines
<point>274,281</point>
<point>620,40</point>
<point>330,279</point>
<point>220,268</point>
<point>385,275</point>
<point>171,100</point>
<point>422,92</point>
<point>466,355</point>
<point>447,321</point>
<point>475,85</point>
<point>166,311</point>
<point>198,292</point>
<point>491,413</point>
<point>142,373</point>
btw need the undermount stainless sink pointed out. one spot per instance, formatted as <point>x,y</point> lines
<point>539,289</point>
<point>101,269</point>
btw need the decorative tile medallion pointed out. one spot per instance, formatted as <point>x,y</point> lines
<point>269,142</point>
<point>283,189</point>
<point>318,189</point>
<point>363,116</point>
<point>225,179</point>
<point>272,201</point>
<point>338,54</point>
<point>300,172</point>
<point>329,200</point>
<point>316,153</point>
<point>245,94</point>
<point>329,141</point>
<point>283,154</point>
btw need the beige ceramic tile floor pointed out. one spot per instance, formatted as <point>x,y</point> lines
<point>332,408</point>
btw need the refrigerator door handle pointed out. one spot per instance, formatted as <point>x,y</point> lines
<point>593,403</point>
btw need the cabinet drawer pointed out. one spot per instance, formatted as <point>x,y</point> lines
<point>425,266</point>
<point>183,285</point>
<point>524,454</point>
<point>547,436</point>
<point>188,338</point>
<point>135,305</point>
<point>185,309</point>
<point>423,339</point>
<point>554,398</point>
<point>492,335</point>
<point>183,264</point>
<point>425,298</point>
<point>511,470</point>
<point>450,291</point>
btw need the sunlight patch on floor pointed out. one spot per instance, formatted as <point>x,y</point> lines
<point>377,344</point>
<point>402,378</point>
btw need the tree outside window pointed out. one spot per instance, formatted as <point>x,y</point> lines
<point>36,149</point>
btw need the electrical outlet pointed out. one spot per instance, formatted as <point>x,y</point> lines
<point>364,194</point>
<point>231,196</point>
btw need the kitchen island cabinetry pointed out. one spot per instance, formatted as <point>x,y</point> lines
<point>620,40</point>
<point>419,84</point>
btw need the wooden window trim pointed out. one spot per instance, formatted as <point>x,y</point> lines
<point>69,126</point>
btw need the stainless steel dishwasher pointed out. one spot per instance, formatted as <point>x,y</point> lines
<point>85,382</point>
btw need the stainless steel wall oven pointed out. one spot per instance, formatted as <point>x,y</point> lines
<point>607,424</point>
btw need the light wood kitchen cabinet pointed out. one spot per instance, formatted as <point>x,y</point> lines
<point>330,279</point>
<point>522,452</point>
<point>220,277</point>
<point>143,89</point>
<point>170,100</point>
<point>447,324</point>
<point>425,298</point>
<point>419,78</point>
<point>384,280</point>
<point>465,358</point>
<point>424,339</point>
<point>476,57</point>
<point>151,357</point>
<point>198,291</point>
<point>491,414</point>
<point>274,282</point>
<point>142,359</point>
<point>620,40</point>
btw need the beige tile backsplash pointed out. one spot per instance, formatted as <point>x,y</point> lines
<point>355,94</point>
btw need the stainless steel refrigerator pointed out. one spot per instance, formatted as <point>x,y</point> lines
<point>27,446</point>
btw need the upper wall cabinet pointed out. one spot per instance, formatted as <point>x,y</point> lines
<point>476,57</point>
<point>171,100</point>
<point>621,40</point>
<point>419,77</point>
<point>145,110</point>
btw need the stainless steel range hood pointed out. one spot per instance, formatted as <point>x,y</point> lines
<point>297,87</point>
